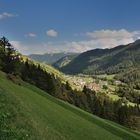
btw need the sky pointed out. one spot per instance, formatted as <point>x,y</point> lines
<point>46,26</point>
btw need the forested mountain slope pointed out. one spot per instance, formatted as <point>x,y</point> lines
<point>110,61</point>
<point>64,61</point>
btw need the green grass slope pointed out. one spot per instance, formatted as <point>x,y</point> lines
<point>27,112</point>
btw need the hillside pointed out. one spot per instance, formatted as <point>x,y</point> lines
<point>110,61</point>
<point>47,68</point>
<point>52,81</point>
<point>30,113</point>
<point>49,58</point>
<point>64,61</point>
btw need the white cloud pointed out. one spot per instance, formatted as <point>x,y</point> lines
<point>34,48</point>
<point>81,46</point>
<point>31,35</point>
<point>6,15</point>
<point>19,46</point>
<point>52,33</point>
<point>98,39</point>
<point>113,34</point>
<point>103,39</point>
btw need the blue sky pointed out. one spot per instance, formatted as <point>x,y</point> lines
<point>41,26</point>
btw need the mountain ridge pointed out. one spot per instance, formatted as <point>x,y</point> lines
<point>105,60</point>
<point>50,58</point>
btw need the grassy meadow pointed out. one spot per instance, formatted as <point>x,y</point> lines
<point>27,112</point>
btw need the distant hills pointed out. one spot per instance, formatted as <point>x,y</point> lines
<point>100,61</point>
<point>49,58</point>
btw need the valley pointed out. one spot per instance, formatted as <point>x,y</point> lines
<point>105,84</point>
<point>70,70</point>
<point>113,98</point>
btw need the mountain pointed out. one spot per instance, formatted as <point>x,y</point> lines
<point>26,112</point>
<point>49,58</point>
<point>64,61</point>
<point>26,73</point>
<point>110,61</point>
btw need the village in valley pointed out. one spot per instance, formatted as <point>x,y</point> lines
<point>98,83</point>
